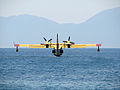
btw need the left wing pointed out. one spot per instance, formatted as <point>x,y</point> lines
<point>78,45</point>
<point>84,45</point>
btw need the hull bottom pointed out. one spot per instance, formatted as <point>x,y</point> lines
<point>58,52</point>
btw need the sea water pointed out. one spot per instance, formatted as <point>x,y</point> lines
<point>76,69</point>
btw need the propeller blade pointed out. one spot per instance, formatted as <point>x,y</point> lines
<point>72,42</point>
<point>69,38</point>
<point>65,41</point>
<point>49,40</point>
<point>44,38</point>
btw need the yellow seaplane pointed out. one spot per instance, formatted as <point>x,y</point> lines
<point>57,47</point>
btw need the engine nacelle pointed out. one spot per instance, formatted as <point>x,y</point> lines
<point>68,45</point>
<point>47,45</point>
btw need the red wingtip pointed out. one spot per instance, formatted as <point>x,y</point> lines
<point>16,45</point>
<point>98,44</point>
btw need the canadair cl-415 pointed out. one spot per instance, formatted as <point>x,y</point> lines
<point>57,47</point>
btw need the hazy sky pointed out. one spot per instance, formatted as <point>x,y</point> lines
<point>61,11</point>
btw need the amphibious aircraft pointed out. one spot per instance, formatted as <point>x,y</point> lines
<point>57,47</point>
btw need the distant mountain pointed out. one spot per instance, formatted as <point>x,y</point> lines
<point>104,27</point>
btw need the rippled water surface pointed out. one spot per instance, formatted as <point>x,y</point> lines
<point>76,69</point>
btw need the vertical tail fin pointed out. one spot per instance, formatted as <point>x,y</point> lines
<point>57,42</point>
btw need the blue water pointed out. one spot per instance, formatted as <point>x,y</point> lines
<point>76,69</point>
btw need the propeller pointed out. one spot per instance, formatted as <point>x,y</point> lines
<point>46,39</point>
<point>69,40</point>
<point>65,41</point>
<point>49,40</point>
<point>72,42</point>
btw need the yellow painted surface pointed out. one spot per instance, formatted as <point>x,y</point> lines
<point>46,42</point>
<point>79,46</point>
<point>23,45</point>
<point>82,45</point>
<point>36,46</point>
<point>91,44</point>
<point>63,46</point>
<point>54,45</point>
<point>32,45</point>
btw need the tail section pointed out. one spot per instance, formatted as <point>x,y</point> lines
<point>57,42</point>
